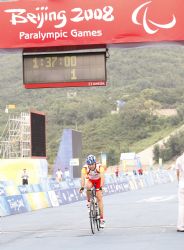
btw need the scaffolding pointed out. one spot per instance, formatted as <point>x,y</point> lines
<point>15,141</point>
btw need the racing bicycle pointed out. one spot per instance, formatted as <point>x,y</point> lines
<point>94,212</point>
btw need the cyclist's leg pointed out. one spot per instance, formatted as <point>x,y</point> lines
<point>100,203</point>
<point>99,198</point>
<point>101,207</point>
<point>89,185</point>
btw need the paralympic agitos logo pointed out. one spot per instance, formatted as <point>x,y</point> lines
<point>145,22</point>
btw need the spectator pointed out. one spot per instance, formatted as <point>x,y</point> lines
<point>59,175</point>
<point>117,171</point>
<point>25,177</point>
<point>67,173</point>
<point>180,178</point>
<point>140,171</point>
<point>134,172</point>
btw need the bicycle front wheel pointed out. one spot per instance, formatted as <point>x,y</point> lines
<point>97,218</point>
<point>92,217</point>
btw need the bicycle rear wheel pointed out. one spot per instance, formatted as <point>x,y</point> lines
<point>92,217</point>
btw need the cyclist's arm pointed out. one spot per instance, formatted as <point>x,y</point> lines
<point>102,176</point>
<point>83,177</point>
<point>177,167</point>
<point>178,174</point>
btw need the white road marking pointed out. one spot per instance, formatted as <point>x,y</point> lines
<point>158,199</point>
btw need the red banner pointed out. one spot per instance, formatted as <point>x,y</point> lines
<point>48,23</point>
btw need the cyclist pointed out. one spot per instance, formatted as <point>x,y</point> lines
<point>92,173</point>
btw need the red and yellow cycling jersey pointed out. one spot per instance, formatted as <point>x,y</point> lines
<point>93,174</point>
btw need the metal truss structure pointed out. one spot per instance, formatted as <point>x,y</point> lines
<point>15,141</point>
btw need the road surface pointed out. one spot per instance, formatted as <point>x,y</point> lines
<point>141,219</point>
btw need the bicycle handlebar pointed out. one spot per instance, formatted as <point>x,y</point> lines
<point>91,189</point>
<point>96,189</point>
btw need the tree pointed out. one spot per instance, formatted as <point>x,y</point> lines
<point>156,153</point>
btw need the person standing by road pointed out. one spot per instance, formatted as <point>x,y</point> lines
<point>67,174</point>
<point>25,177</point>
<point>59,175</point>
<point>180,178</point>
<point>117,171</point>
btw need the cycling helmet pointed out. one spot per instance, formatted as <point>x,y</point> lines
<point>90,160</point>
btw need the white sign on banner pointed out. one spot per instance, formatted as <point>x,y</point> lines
<point>53,198</point>
<point>74,162</point>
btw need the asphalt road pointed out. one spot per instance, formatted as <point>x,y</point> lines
<point>142,219</point>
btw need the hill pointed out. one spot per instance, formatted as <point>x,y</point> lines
<point>143,79</point>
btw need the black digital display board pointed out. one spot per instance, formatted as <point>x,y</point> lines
<point>64,68</point>
<point>38,135</point>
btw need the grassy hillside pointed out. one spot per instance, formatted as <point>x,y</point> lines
<point>144,78</point>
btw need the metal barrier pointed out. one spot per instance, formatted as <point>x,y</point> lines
<point>19,199</point>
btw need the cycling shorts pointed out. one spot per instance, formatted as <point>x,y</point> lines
<point>97,183</point>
